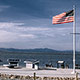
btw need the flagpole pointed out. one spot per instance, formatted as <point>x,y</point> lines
<point>74,40</point>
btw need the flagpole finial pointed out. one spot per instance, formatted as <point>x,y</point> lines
<point>74,6</point>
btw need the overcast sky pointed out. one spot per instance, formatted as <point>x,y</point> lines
<point>26,24</point>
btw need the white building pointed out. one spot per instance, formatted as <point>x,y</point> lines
<point>13,62</point>
<point>32,64</point>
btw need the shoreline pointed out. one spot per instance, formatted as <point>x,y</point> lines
<point>39,73</point>
<point>28,74</point>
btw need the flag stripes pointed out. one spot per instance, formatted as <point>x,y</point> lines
<point>63,18</point>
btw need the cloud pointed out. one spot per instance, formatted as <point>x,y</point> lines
<point>27,36</point>
<point>31,23</point>
<point>9,24</point>
<point>19,34</point>
<point>11,33</point>
<point>14,37</point>
<point>7,36</point>
<point>26,28</point>
<point>3,7</point>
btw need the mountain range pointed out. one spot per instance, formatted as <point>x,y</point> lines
<point>36,50</point>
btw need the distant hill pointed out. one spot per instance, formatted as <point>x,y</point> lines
<point>28,50</point>
<point>37,50</point>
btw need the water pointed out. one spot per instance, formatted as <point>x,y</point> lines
<point>44,58</point>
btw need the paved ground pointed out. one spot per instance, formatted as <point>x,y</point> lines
<point>41,73</point>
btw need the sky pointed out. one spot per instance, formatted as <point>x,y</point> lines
<point>27,24</point>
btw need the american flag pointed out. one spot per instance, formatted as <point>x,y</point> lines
<point>65,17</point>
